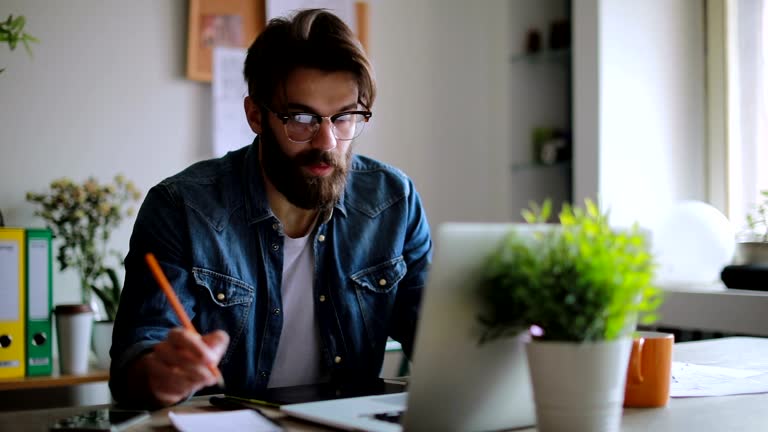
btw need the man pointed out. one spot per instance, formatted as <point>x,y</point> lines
<point>294,258</point>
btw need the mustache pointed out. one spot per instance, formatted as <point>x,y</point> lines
<point>315,156</point>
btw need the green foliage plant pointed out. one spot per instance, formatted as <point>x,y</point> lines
<point>579,281</point>
<point>757,220</point>
<point>82,218</point>
<point>12,32</point>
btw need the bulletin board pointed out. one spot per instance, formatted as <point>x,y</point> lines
<point>235,24</point>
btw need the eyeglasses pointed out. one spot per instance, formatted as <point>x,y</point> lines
<point>302,127</point>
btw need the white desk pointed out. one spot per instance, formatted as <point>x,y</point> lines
<point>708,414</point>
<point>726,413</point>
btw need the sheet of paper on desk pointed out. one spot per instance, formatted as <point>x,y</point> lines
<point>692,380</point>
<point>239,420</point>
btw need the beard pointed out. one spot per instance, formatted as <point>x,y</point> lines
<point>302,190</point>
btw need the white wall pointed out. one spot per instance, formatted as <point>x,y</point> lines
<point>106,93</point>
<point>443,113</point>
<point>647,89</point>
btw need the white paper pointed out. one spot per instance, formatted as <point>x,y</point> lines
<point>692,380</point>
<point>344,9</point>
<point>230,126</point>
<point>239,420</point>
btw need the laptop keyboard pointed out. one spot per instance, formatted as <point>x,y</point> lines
<point>390,417</point>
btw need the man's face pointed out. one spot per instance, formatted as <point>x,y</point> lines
<point>311,175</point>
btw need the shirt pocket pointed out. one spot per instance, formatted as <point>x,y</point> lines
<point>381,278</point>
<point>223,290</point>
<point>223,303</point>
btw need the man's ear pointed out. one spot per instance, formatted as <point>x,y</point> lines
<point>253,114</point>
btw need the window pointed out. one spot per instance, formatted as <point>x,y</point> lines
<point>738,104</point>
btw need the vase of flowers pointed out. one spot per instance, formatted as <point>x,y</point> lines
<point>82,217</point>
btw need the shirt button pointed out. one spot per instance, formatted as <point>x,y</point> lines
<point>337,359</point>
<point>220,296</point>
<point>263,373</point>
<point>275,226</point>
<point>275,246</point>
<point>322,298</point>
<point>321,238</point>
<point>276,312</point>
<point>382,282</point>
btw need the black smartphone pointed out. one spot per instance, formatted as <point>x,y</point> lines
<point>105,419</point>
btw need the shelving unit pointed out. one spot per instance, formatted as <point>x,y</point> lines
<point>541,98</point>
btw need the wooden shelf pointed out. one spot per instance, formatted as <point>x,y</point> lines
<point>562,56</point>
<point>53,381</point>
<point>538,166</point>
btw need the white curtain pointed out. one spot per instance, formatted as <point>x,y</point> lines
<point>748,131</point>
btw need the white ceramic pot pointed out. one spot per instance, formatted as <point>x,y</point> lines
<point>74,323</point>
<point>102,342</point>
<point>579,386</point>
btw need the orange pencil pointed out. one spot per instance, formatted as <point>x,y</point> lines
<point>157,272</point>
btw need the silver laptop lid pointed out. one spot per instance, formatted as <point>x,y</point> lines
<point>456,384</point>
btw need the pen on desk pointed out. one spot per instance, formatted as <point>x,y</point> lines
<point>157,272</point>
<point>254,401</point>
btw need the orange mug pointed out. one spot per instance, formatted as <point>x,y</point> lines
<point>649,371</point>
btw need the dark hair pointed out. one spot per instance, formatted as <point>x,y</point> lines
<point>312,38</point>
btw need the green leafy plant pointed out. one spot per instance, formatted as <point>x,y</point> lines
<point>82,218</point>
<point>578,281</point>
<point>12,32</point>
<point>757,221</point>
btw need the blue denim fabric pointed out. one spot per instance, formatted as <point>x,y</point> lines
<point>220,245</point>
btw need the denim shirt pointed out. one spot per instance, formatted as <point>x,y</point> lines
<point>220,245</point>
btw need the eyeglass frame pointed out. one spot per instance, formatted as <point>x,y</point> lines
<point>285,117</point>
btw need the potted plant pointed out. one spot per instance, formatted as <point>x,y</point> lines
<point>579,288</point>
<point>12,32</point>
<point>82,218</point>
<point>753,247</point>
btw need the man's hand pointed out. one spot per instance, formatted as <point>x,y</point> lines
<point>178,366</point>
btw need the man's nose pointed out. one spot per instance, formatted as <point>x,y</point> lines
<point>324,139</point>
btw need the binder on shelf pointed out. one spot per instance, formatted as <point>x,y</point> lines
<point>12,306</point>
<point>39,340</point>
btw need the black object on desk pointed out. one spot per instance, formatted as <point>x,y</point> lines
<point>100,420</point>
<point>746,276</point>
<point>277,396</point>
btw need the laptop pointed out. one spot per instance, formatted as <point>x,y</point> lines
<point>455,383</point>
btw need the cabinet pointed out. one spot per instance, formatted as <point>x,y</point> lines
<point>540,105</point>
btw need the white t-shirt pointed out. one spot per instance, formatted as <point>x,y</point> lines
<point>298,352</point>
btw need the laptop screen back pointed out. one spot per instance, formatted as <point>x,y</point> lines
<point>457,384</point>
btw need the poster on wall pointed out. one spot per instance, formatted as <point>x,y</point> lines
<point>230,126</point>
<point>344,9</point>
<point>217,23</point>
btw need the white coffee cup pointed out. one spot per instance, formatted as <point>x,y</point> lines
<point>74,323</point>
